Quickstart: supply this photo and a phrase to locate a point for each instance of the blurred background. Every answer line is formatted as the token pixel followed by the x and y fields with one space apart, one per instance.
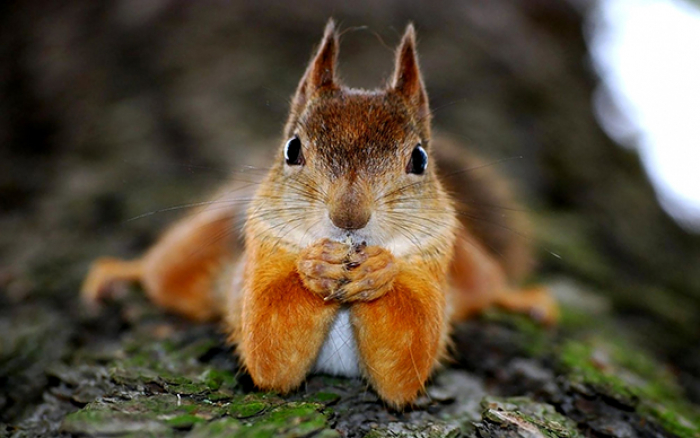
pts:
pixel 113 111
pixel 644 52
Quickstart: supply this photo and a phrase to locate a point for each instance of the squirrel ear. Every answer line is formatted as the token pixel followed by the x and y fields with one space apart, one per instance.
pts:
pixel 407 81
pixel 319 74
pixel 321 70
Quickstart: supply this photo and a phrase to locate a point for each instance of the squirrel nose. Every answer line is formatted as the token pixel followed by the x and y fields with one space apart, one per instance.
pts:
pixel 349 218
pixel 350 210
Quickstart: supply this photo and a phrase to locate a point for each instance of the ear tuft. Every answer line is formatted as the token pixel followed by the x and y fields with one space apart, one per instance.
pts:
pixel 320 74
pixel 407 80
pixel 321 71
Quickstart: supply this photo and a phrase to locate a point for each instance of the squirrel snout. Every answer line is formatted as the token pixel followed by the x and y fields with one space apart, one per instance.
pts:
pixel 349 210
pixel 348 218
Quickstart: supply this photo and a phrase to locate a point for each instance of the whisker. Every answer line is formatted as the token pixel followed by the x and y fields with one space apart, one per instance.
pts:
pixel 400 226
pixel 265 236
pixel 446 105
pixel 282 97
pixel 419 220
pixel 407 233
pixel 399 223
pixel 227 232
pixel 448 175
pixel 173 208
pixel 284 232
pixel 481 166
pixel 180 165
pixel 311 187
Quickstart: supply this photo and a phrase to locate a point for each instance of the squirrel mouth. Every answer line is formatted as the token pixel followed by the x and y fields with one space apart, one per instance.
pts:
pixel 356 244
pixel 354 239
pixel 366 236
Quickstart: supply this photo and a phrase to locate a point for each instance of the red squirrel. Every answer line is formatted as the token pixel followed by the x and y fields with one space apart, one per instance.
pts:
pixel 356 259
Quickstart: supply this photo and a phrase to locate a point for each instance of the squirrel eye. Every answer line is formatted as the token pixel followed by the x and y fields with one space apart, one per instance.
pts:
pixel 418 162
pixel 292 152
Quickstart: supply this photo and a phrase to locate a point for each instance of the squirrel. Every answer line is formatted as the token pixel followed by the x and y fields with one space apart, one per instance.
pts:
pixel 361 247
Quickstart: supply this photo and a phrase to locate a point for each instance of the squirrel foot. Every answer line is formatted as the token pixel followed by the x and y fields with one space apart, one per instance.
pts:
pixel 370 273
pixel 321 266
pixel 537 302
pixel 105 273
pixel 345 273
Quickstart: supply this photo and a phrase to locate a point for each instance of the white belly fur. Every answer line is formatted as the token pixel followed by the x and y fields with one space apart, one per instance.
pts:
pixel 338 355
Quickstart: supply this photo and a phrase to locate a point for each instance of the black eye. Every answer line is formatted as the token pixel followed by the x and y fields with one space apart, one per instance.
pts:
pixel 418 162
pixel 292 152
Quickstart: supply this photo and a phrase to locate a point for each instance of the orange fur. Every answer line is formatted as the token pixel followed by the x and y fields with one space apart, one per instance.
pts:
pixel 282 325
pixel 475 278
pixel 104 272
pixel 350 226
pixel 402 336
pixel 181 273
pixel 478 282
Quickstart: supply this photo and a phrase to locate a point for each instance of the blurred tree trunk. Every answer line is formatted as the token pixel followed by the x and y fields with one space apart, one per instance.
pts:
pixel 97 84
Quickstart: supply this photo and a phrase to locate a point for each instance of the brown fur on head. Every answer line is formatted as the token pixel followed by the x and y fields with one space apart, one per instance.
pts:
pixel 353 176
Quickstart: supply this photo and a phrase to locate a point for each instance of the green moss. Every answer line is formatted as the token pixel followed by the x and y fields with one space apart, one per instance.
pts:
pixel 633 378
pixel 131 376
pixel 154 404
pixel 533 338
pixel 174 380
pixel 218 379
pixel 573 319
pixel 217 397
pixel 428 429
pixel 185 421
pixel 528 416
pixel 162 413
pixel 325 398
pixel 675 418
pixel 194 350
pixel 177 371
pixel 105 422
pixel 289 420
pixel 293 412
pixel 189 389
pixel 222 427
pixel 251 405
pixel 583 369
pixel 247 410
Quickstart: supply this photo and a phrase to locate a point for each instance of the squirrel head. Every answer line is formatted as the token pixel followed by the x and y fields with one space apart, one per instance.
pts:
pixel 355 162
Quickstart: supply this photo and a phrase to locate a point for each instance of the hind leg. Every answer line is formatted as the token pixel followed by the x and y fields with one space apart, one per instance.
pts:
pixel 104 274
pixel 478 283
pixel 536 302
pixel 181 272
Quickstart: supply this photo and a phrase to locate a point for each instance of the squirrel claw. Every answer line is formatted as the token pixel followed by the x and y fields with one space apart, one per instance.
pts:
pixel 321 267
pixel 373 277
pixel 346 274
pixel 337 295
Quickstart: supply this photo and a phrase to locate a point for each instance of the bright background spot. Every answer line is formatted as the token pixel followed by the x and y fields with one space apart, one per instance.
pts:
pixel 648 53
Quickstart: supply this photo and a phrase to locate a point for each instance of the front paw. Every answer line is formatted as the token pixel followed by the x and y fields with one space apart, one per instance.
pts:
pixel 369 272
pixel 321 266
pixel 343 272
